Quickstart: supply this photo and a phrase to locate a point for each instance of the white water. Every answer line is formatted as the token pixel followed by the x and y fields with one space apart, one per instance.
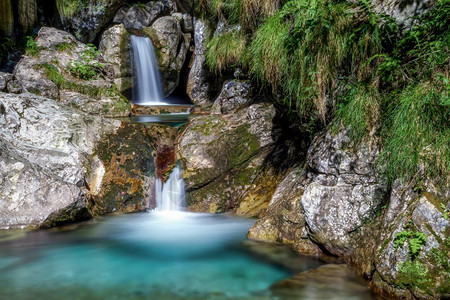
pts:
pixel 171 196
pixel 148 89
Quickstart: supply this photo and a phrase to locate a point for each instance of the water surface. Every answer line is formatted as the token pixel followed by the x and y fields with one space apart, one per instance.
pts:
pixel 149 256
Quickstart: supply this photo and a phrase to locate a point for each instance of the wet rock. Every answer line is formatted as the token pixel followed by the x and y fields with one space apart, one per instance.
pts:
pixel 199 85
pixel 171 47
pixel 140 16
pixel 223 155
pixel 55 164
pixel 235 94
pixel 115 49
pixel 85 21
pixel 284 220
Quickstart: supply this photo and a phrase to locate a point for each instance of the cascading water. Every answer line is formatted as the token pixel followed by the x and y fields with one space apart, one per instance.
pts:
pixel 148 90
pixel 172 196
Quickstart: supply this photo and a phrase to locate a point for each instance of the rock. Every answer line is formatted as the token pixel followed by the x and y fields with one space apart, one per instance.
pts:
pixel 115 49
pixel 235 94
pixel 187 24
pixel 171 47
pixel 4 79
pixel 284 220
pixel 85 21
pixel 199 86
pixel 342 192
pixel 33 79
pixel 14 86
pixel 402 12
pixel 58 164
pixel 140 16
pixel 120 15
pixel 428 273
pixel 223 156
pixel 48 75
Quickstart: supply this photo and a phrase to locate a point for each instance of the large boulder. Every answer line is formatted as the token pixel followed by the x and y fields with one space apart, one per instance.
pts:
pixel 342 190
pixel 234 95
pixel 223 157
pixel 85 19
pixel 61 165
pixel 48 74
pixel 115 49
pixel 171 47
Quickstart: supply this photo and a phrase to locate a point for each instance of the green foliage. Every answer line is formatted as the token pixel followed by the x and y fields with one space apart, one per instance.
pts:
pixel 86 68
pixel 314 41
pixel 444 211
pixel 359 110
pixel 31 48
pixel 417 132
pixel 69 8
pixel 413 274
pixel 54 74
pixel 414 239
pixel 226 51
pixel 64 46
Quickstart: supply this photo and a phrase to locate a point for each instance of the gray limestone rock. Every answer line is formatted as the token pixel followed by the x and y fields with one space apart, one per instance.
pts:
pixel 171 47
pixel 235 94
pixel 198 87
pixel 139 16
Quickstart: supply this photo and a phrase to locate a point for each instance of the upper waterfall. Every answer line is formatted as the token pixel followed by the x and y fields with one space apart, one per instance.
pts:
pixel 148 87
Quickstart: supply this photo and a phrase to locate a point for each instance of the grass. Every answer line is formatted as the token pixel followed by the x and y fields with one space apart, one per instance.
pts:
pixel 417 132
pixel 69 8
pixel 226 51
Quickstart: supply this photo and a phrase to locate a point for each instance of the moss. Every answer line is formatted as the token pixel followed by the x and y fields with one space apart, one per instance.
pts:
pixel 127 157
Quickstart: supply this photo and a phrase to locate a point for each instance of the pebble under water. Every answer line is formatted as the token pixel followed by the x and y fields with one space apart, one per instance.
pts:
pixel 159 256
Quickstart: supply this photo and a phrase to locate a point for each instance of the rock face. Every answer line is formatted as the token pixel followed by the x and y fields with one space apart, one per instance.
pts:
pixel 140 16
pixel 223 156
pixel 55 162
pixel 235 94
pixel 115 49
pixel 48 74
pixel 86 20
pixel 171 47
pixel 199 86
pixel 340 203
pixel 6 18
pixel 402 11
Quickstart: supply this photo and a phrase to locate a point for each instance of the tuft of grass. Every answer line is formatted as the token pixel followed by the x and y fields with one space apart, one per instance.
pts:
pixel 226 51
pixel 65 46
pixel 359 110
pixel 31 47
pixel 69 8
pixel 417 135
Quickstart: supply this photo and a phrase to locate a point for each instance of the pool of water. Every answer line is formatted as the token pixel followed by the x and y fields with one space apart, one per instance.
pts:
pixel 151 256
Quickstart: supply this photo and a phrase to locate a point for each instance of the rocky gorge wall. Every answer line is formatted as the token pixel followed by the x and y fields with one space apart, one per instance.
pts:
pixel 62 159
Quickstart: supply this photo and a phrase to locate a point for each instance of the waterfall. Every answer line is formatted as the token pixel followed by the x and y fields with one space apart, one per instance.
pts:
pixel 171 197
pixel 148 90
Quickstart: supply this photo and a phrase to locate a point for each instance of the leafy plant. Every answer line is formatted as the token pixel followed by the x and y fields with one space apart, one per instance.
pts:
pixel 414 239
pixel 86 68
pixel 413 274
pixel 31 47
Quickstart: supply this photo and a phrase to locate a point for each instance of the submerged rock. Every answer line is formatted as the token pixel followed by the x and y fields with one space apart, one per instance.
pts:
pixel 56 162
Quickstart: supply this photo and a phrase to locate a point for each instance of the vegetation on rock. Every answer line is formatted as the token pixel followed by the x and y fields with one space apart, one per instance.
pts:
pixel 342 63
